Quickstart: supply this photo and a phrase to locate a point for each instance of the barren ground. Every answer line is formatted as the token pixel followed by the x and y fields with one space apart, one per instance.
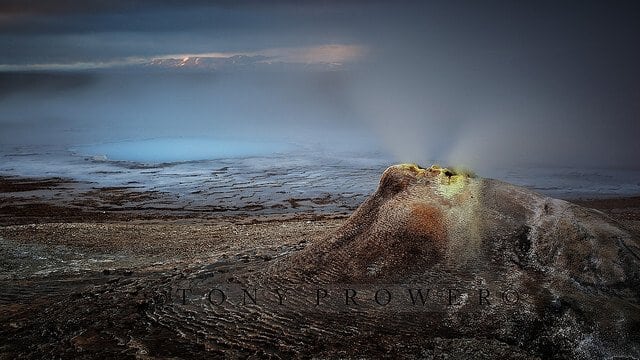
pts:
pixel 55 258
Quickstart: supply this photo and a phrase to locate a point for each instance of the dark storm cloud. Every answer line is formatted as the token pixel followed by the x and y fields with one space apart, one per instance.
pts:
pixel 83 6
pixel 39 32
pixel 121 18
pixel 63 7
pixel 72 16
pixel 43 83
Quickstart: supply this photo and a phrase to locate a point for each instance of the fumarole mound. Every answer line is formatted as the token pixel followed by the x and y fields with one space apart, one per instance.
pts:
pixel 506 267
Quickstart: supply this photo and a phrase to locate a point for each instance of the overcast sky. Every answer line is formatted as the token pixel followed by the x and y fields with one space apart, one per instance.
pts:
pixel 475 82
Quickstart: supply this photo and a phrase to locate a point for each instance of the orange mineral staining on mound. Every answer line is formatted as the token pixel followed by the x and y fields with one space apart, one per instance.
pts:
pixel 427 221
pixel 427 225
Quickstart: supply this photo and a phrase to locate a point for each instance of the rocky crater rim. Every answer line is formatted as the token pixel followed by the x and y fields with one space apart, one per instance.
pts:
pixel 454 173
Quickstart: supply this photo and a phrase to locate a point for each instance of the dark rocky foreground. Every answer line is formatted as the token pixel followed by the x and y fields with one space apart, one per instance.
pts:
pixel 430 266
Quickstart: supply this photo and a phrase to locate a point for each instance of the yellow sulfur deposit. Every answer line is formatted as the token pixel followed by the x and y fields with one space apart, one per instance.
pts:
pixel 450 181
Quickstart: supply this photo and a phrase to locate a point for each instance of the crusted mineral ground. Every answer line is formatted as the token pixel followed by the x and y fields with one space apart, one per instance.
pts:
pixel 503 272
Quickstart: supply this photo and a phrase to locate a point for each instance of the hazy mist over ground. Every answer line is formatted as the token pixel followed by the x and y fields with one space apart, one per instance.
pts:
pixel 109 107
pixel 485 85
